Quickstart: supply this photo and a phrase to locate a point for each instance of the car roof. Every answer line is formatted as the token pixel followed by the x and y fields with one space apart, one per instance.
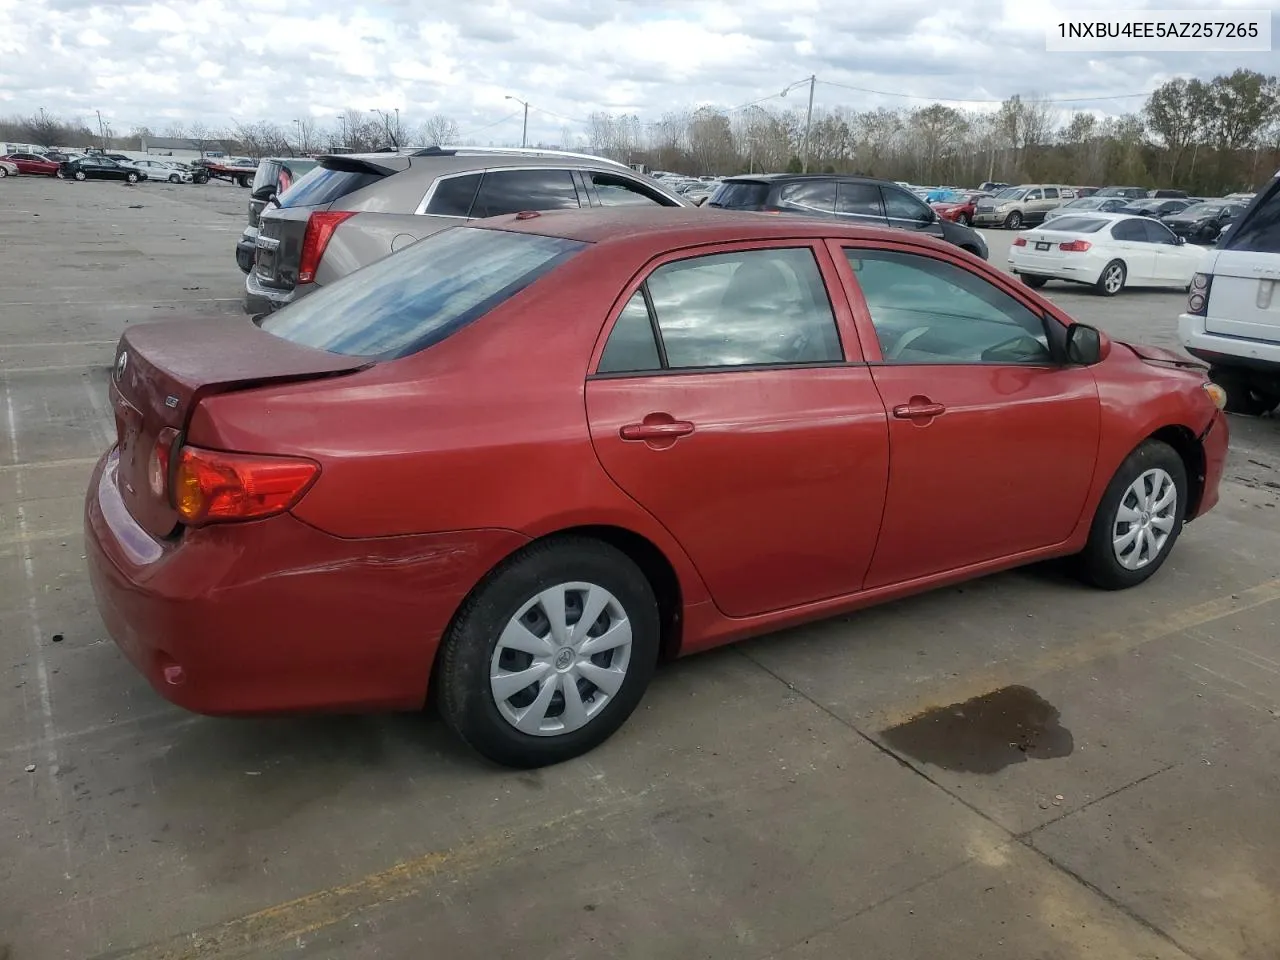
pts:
pixel 688 226
pixel 788 177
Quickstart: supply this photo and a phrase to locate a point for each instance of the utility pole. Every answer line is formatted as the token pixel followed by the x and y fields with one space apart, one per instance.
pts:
pixel 102 132
pixel 396 138
pixel 524 133
pixel 343 118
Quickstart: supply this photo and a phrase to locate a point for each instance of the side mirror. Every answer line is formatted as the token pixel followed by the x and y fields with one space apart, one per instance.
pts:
pixel 1086 345
pixel 1180 240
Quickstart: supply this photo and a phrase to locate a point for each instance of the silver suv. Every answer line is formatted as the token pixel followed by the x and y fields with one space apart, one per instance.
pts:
pixel 353 209
pixel 1021 206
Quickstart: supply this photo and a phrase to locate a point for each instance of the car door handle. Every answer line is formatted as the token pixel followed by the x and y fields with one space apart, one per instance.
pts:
pixel 656 430
pixel 918 411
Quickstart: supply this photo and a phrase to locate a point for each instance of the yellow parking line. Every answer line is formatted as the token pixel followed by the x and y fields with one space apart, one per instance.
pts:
pixel 287 921
pixel 1084 650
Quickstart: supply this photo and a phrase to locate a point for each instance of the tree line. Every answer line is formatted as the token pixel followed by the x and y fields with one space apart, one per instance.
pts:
pixel 1205 136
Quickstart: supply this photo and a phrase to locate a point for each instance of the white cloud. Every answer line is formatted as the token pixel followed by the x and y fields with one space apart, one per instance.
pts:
pixel 161 60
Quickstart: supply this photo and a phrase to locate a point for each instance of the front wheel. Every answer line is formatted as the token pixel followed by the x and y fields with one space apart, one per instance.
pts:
pixel 131 177
pixel 551 654
pixel 4 172
pixel 1111 280
pixel 174 178
pixel 966 219
pixel 81 175
pixel 1138 519
pixel 1013 221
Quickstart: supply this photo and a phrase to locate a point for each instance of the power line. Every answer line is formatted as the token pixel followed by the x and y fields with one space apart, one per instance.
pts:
pixel 487 126
pixel 558 116
pixel 912 96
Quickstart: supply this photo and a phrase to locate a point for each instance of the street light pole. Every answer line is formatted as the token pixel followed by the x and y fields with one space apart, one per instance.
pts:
pixel 343 118
pixel 524 132
pixel 808 118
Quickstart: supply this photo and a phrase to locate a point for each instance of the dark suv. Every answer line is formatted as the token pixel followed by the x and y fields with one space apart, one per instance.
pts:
pixel 353 209
pixel 275 175
pixel 880 203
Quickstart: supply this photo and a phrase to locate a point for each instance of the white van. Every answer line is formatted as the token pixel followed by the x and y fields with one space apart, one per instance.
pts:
pixel 1233 307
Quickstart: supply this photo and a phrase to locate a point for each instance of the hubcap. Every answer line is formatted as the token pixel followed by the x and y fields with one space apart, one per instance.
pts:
pixel 1144 519
pixel 1114 279
pixel 561 659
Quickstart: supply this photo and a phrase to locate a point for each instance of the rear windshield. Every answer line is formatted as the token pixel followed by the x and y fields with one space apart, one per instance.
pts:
pixel 740 196
pixel 323 185
pixel 419 296
pixel 1074 224
pixel 1258 229
pixel 268 172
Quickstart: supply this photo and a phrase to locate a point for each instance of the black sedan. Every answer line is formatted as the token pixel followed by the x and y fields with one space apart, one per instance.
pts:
pixel 1204 222
pixel 1155 207
pixel 100 168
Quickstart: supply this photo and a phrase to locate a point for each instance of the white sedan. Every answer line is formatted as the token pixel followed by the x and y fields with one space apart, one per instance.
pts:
pixel 1108 251
pixel 159 170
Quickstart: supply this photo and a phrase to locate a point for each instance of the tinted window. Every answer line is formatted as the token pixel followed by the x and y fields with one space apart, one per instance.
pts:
pixel 740 196
pixel 453 196
pixel 899 205
pixel 1050 193
pixel 1157 232
pixel 325 185
pixel 620 192
pixel 859 199
pixel 268 172
pixel 746 307
pixel 812 197
pixel 1129 230
pixel 510 191
pixel 1259 231
pixel 631 345
pixel 1074 224
pixel 419 296
pixel 928 311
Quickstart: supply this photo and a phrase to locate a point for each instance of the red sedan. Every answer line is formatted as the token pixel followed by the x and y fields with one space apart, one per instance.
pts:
pixel 524 458
pixel 33 163
pixel 960 210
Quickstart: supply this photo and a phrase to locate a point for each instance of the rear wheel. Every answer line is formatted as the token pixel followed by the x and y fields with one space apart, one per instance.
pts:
pixel 1033 282
pixel 4 172
pixel 131 177
pixel 1138 519
pixel 1111 280
pixel 966 219
pixel 1242 396
pixel 551 654
pixel 1013 221
pixel 174 178
pixel 243 181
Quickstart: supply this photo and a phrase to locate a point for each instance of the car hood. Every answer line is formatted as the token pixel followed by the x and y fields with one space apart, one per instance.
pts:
pixel 1155 354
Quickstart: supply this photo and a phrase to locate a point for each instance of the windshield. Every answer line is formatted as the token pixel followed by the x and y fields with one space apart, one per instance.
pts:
pixel 1075 224
pixel 412 299
pixel 1011 193
pixel 1084 203
pixel 740 196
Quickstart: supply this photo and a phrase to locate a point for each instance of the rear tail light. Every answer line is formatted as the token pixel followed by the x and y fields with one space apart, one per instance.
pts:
pixel 1198 295
pixel 210 486
pixel 320 227
pixel 1019 241
pixel 1075 246
pixel 159 463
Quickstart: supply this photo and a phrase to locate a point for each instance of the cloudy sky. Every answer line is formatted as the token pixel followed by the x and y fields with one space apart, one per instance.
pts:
pixel 157 62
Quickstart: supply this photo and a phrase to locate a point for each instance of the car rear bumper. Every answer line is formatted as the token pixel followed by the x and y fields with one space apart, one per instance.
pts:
pixel 276 616
pixel 1220 350
pixel 245 247
pixel 259 298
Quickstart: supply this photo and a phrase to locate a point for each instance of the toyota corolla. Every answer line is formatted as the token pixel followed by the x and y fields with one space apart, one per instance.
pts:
pixel 524 459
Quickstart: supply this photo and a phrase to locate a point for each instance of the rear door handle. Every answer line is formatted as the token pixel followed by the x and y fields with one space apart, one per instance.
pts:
pixel 918 411
pixel 660 430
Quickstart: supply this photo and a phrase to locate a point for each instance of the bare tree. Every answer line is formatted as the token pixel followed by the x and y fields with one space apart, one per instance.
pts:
pixel 438 131
pixel 200 136
pixel 177 130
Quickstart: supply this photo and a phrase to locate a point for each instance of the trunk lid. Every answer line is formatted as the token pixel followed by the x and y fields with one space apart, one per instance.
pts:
pixel 279 248
pixel 1244 297
pixel 163 370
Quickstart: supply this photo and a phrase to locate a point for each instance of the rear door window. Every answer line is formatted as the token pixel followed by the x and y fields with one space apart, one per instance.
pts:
pixel 859 200
pixel 1259 230
pixel 510 191
pixel 1157 232
pixel 1130 230
pixel 453 196
pixel 740 195
pixel 402 304
pixel 616 191
pixel 813 197
pixel 1051 193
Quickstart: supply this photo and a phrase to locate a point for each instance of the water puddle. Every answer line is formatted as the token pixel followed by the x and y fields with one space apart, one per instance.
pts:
pixel 984 734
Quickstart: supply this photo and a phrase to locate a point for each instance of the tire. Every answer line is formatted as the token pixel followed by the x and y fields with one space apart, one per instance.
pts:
pixel 3 173
pixel 175 178
pixel 966 219
pixel 243 181
pixel 1111 280
pixel 200 179
pixel 81 175
pixel 1034 282
pixel 1013 221
pixel 509 603
pixel 1153 466
pixel 1242 396
pixel 131 177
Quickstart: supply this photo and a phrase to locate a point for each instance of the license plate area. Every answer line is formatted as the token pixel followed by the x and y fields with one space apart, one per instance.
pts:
pixel 1041 245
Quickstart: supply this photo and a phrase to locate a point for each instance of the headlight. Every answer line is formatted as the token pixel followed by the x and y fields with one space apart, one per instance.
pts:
pixel 1216 394
pixel 1002 206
